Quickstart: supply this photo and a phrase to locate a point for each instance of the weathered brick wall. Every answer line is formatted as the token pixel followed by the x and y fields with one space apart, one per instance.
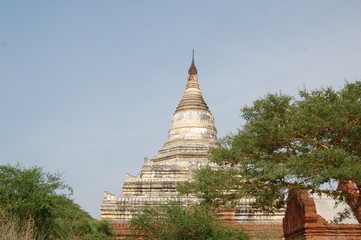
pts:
pixel 302 222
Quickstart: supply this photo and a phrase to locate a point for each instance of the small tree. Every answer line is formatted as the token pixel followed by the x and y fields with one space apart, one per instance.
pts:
pixel 176 222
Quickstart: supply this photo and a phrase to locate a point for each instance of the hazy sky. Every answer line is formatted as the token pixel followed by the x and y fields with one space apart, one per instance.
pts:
pixel 88 88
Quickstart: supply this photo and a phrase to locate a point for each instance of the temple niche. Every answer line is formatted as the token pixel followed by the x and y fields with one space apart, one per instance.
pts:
pixel 191 135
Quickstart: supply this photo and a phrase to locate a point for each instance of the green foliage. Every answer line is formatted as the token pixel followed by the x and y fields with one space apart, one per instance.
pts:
pixel 72 222
pixel 216 188
pixel 176 222
pixel 31 193
pixel 289 144
pixel 43 198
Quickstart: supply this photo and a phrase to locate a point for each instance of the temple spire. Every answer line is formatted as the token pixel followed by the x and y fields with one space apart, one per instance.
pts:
pixel 192 122
pixel 192 77
pixel 192 70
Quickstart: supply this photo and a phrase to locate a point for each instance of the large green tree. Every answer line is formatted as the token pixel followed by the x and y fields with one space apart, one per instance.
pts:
pixel 32 197
pixel 311 142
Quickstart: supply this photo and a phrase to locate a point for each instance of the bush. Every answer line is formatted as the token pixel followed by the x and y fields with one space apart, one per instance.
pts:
pixel 31 196
pixel 176 222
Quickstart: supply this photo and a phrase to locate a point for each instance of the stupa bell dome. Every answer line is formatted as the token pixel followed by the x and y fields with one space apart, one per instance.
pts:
pixel 192 122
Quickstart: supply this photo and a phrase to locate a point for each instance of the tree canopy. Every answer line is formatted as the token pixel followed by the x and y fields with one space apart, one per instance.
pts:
pixel 312 142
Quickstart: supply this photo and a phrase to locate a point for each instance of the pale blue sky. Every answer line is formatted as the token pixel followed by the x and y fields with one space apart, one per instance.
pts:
pixel 89 87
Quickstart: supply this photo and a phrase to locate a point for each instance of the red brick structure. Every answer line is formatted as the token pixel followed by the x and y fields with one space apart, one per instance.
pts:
pixel 303 222
pixel 121 230
pixel 257 231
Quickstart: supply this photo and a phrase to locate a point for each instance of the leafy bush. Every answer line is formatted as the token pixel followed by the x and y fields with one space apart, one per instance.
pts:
pixel 44 198
pixel 176 222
